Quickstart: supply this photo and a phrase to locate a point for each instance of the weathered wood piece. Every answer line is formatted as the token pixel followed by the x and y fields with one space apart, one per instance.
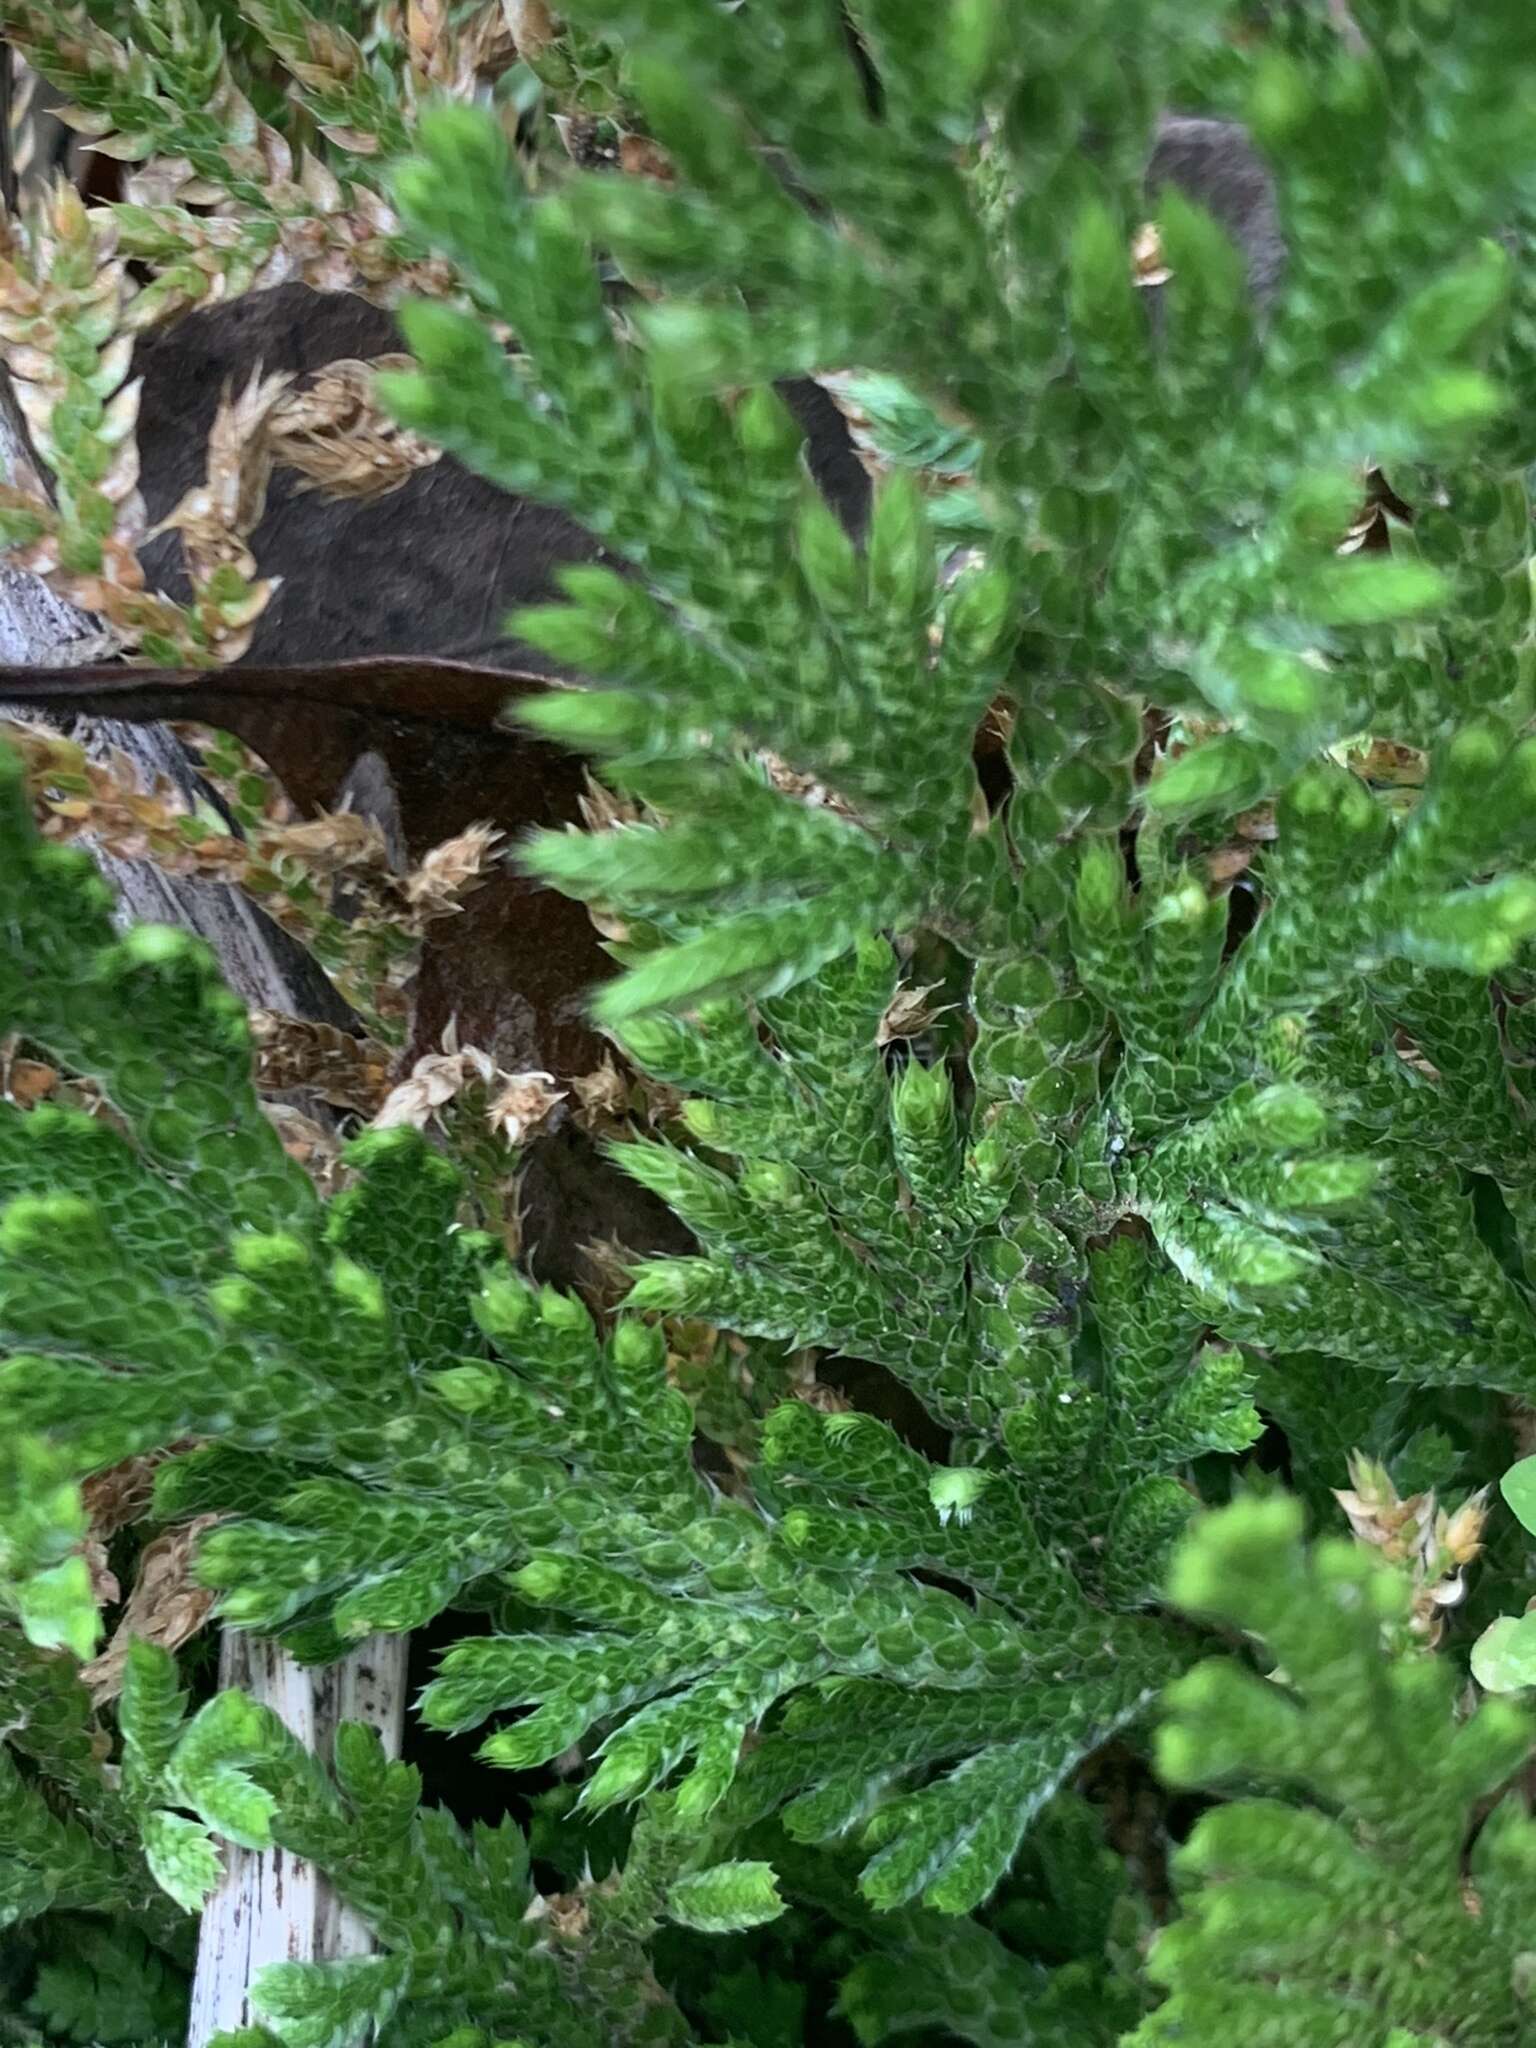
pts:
pixel 272 1907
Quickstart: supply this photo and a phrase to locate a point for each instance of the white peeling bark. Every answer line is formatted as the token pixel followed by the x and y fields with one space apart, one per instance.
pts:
pixel 273 1907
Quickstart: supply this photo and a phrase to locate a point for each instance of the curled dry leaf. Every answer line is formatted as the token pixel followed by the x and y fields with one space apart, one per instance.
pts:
pixel 290 868
pixel 112 1499
pixel 105 1590
pixel 608 1275
pixel 569 1915
pixel 66 336
pixel 997 726
pixel 1257 826
pixel 1389 763
pixel 793 783
pixel 297 870
pixel 426 31
pixel 436 1080
pixel 26 1082
pixel 1413 1055
pixel 523 1106
pixel 1225 863
pixel 448 873
pixel 602 1097
pixel 805 1386
pixel 452 56
pixel 518 1105
pixel 1249 831
pixel 130 816
pixel 331 843
pixel 488 47
pixel 166 1605
pixel 611 1100
pixel 1370 531
pixel 1364 531
pixel 282 216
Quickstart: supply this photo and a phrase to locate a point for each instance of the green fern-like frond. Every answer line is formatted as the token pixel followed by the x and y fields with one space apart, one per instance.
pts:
pixel 1338 1907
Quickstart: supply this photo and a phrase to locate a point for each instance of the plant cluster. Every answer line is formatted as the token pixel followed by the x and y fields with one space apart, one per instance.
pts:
pixel 1131 1136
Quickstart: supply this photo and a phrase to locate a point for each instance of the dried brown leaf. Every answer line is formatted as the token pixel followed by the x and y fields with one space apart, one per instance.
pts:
pixel 451 871
pixel 533 28
pixel 793 782
pixel 1413 1055
pixel 122 1494
pixel 27 1082
pixel 487 48
pixel 1225 863
pixel 1391 763
pixel 639 157
pixel 1438 1548
pixel 805 1386
pixel 166 1606
pixel 105 1590
pixel 608 1275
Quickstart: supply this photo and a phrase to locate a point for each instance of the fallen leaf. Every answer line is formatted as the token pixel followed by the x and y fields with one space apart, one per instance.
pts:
pixel 166 1606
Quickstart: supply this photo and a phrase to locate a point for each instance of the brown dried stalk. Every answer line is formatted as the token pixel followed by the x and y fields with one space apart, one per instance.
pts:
pixel 64 295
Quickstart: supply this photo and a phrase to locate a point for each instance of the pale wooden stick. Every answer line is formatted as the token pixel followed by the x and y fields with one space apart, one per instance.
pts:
pixel 273 1907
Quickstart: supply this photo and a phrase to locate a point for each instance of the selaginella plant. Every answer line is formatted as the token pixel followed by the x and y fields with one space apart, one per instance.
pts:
pixel 1161 1089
